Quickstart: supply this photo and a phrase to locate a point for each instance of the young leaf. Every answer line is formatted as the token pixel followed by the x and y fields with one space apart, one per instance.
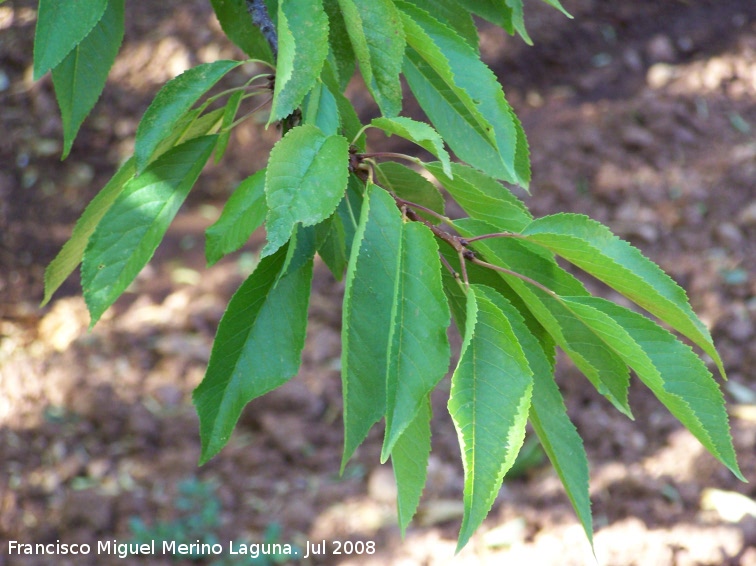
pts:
pixel 70 255
pixel 367 315
pixel 417 132
pixel 257 347
pixel 410 461
pixel 375 30
pixel 668 367
pixel 81 76
pixel 61 26
pixel 548 415
pixel 243 214
pixel 302 50
pixel 411 186
pixel 172 101
pixel 238 27
pixel 419 348
pixel 131 229
pixel 592 247
pixel 306 178
pixel 489 402
pixel 483 197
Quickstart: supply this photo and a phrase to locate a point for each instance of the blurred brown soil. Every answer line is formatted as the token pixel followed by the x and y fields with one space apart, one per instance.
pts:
pixel 639 114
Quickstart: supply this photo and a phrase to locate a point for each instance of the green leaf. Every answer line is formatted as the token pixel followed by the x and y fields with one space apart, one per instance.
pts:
pixel 558 5
pixel 419 348
pixel 518 20
pixel 131 229
pixel 410 461
pixel 478 81
pixel 604 369
pixel 302 50
pixel 302 247
pixel 350 122
pixel 244 212
pixel 592 247
pixel 453 15
pixel 369 291
pixel 548 415
pixel 411 186
pixel 489 402
pixel 257 347
pixel 331 244
pixel 341 54
pixel 375 30
pixel 320 109
pixel 71 253
pixel 678 378
pixel 229 113
pixel 495 11
pixel 61 26
pixel 483 197
pixel 306 179
pixel 417 132
pixel 171 103
pixel 80 77
pixel 238 27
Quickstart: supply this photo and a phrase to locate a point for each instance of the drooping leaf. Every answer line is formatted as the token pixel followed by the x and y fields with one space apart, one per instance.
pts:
pixel 131 229
pixel 409 458
pixel 489 403
pixel 375 30
pixel 480 84
pixel 257 347
pixel 483 197
pixel 238 27
pixel 61 26
pixel 172 101
pixel 410 186
pixel 417 132
pixel 302 50
pixel 306 178
pixel 369 291
pixel 70 255
pixel 603 368
pixel 548 415
pixel 678 377
pixel 244 212
pixel 80 77
pixel 592 247
pixel 419 348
